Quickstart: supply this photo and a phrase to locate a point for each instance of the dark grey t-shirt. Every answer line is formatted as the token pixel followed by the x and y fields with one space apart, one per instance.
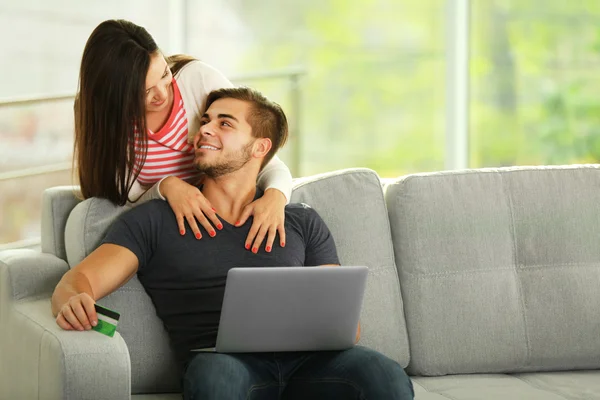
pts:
pixel 185 277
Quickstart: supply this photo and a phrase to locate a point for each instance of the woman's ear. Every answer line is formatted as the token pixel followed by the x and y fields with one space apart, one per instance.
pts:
pixel 262 147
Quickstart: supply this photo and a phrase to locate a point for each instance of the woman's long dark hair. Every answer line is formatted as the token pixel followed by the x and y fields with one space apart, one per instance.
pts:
pixel 110 108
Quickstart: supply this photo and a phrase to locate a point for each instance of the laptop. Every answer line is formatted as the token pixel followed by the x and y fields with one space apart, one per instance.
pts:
pixel 276 309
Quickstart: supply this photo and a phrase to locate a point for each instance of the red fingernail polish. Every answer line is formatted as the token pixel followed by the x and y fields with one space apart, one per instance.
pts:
pixel 247 247
pixel 198 236
pixel 214 210
pixel 268 249
pixel 237 223
pixel 282 244
pixel 182 232
pixel 212 233
pixel 255 250
pixel 220 226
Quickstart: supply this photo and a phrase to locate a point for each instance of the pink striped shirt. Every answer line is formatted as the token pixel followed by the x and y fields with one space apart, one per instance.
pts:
pixel 169 152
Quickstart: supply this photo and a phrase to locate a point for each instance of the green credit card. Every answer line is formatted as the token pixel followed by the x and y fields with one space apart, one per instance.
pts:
pixel 107 320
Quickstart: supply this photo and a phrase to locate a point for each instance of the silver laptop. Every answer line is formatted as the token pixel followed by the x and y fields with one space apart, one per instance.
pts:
pixel 291 309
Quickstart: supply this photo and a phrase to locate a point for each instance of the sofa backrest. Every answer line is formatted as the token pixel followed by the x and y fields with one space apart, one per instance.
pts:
pixel 351 203
pixel 57 204
pixel 499 268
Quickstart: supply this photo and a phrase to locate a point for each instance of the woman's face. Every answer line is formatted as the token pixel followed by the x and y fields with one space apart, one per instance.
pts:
pixel 158 84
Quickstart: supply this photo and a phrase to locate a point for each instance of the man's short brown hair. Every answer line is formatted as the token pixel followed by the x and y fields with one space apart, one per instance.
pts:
pixel 266 118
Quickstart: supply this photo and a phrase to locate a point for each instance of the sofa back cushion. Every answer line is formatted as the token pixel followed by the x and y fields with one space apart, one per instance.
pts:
pixel 352 205
pixel 499 268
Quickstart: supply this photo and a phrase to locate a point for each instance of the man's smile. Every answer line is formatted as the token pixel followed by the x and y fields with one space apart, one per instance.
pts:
pixel 208 147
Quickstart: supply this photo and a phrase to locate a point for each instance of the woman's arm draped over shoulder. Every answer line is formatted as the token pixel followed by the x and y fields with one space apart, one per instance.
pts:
pixel 213 79
pixel 196 80
pixel 140 194
pixel 276 175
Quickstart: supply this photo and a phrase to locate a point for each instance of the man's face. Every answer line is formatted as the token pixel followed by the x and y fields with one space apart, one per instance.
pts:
pixel 224 143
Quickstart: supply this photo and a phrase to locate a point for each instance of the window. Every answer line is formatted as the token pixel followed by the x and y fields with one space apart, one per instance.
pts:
pixel 363 82
pixel 37 138
pixel 372 92
pixel 534 85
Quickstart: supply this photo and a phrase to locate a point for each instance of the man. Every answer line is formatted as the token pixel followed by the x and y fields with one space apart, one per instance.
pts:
pixel 240 131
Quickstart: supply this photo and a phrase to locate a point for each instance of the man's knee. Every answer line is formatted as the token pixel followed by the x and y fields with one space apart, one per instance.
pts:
pixel 378 375
pixel 216 376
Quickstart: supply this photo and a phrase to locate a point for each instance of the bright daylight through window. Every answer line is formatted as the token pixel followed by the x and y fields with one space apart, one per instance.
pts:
pixel 364 82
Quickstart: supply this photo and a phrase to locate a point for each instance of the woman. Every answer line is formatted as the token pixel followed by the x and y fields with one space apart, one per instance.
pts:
pixel 135 114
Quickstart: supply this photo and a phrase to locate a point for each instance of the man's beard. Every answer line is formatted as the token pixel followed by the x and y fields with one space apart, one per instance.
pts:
pixel 234 163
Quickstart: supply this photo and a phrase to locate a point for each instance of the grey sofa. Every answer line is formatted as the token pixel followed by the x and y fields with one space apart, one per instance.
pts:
pixel 484 284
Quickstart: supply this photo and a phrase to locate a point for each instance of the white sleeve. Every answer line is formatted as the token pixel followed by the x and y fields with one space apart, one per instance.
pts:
pixel 138 195
pixel 213 79
pixel 196 80
pixel 276 175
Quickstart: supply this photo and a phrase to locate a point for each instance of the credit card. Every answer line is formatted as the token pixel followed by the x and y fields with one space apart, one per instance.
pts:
pixel 107 320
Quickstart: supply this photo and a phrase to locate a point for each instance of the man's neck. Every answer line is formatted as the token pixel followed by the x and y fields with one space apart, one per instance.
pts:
pixel 229 194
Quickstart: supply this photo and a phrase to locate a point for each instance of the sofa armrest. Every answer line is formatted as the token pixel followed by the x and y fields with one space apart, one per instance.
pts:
pixel 40 360
pixel 28 273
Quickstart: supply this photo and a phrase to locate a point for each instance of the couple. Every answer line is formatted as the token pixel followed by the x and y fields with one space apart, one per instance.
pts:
pixel 239 134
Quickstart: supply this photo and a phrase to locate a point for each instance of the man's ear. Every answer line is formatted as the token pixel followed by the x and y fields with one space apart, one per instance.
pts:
pixel 262 147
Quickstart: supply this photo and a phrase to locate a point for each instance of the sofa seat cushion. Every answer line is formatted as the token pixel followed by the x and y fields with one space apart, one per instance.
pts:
pixel 571 385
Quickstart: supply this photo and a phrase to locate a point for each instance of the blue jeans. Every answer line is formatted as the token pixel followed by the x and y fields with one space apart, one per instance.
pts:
pixel 357 373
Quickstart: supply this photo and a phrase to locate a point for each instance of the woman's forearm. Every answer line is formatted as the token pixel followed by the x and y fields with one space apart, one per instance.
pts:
pixel 139 194
pixel 276 175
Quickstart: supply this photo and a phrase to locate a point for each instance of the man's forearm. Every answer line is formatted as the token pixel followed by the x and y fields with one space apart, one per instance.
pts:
pixel 71 284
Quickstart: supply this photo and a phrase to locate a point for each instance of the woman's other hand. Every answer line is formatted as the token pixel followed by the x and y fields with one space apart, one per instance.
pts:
pixel 189 204
pixel 269 216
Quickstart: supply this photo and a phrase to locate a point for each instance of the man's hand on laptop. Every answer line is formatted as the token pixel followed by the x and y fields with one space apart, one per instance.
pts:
pixel 78 313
